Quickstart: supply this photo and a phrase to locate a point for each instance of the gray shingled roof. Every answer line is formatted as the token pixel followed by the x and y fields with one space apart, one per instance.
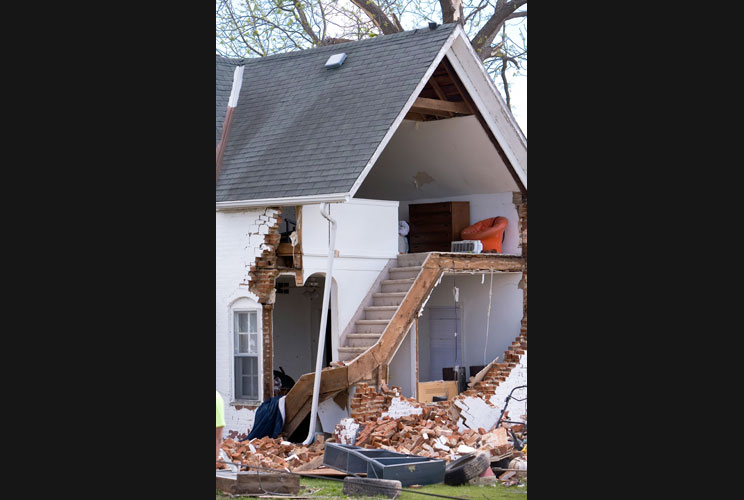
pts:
pixel 225 69
pixel 300 129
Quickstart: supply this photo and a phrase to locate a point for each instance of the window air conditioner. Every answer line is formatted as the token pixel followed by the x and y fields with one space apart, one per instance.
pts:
pixel 467 246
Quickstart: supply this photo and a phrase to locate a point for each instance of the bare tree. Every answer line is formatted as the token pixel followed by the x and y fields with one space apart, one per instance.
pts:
pixel 497 29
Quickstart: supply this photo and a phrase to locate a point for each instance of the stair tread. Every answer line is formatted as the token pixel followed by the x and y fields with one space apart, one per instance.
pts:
pixel 373 321
pixel 381 308
pixel 353 349
pixel 362 334
pixel 405 269
pixel 398 282
pixel 389 294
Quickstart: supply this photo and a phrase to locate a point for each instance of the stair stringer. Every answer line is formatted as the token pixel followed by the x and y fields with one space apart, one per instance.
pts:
pixel 339 378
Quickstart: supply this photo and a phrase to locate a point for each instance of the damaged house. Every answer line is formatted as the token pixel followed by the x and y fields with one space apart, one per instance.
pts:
pixel 330 149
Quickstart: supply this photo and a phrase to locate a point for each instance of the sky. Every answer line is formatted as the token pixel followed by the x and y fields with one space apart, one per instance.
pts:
pixel 519 102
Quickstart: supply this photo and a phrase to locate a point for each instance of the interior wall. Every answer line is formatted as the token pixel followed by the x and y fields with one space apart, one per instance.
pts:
pixel 402 367
pixel 482 206
pixel 296 324
pixel 505 322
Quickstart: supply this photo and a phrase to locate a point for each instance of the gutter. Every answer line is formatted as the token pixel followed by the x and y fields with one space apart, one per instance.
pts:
pixel 295 200
pixel 323 322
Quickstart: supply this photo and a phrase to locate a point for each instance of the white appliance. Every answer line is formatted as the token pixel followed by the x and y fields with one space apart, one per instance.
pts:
pixel 467 246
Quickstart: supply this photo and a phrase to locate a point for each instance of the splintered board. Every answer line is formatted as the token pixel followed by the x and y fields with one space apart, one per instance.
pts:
pixel 252 483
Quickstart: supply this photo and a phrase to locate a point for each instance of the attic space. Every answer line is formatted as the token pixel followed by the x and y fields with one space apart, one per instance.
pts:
pixel 444 157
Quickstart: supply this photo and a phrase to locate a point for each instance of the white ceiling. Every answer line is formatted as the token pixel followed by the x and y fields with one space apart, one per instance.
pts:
pixel 437 159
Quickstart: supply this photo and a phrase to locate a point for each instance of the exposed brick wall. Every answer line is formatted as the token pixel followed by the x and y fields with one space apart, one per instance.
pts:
pixel 263 283
pixel 520 201
pixel 264 271
pixel 499 372
pixel 268 351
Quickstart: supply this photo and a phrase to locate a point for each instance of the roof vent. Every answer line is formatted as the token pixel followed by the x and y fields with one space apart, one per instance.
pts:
pixel 433 26
pixel 335 61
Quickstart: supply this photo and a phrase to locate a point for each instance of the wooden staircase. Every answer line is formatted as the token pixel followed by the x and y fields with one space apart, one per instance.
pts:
pixel 375 338
pixel 385 303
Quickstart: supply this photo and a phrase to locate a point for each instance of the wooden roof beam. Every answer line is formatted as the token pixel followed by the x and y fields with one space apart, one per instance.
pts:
pixel 439 108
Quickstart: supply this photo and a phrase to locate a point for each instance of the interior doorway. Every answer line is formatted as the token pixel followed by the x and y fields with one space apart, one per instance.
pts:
pixel 297 314
pixel 445 348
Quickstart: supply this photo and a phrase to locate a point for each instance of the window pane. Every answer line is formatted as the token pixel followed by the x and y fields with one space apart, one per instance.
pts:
pixel 254 343
pixel 242 322
pixel 248 366
pixel 254 327
pixel 246 378
pixel 243 343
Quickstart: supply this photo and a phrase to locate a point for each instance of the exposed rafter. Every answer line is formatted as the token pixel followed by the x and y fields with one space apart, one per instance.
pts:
pixel 439 108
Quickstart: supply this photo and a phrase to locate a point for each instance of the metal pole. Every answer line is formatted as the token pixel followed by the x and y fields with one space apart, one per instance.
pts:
pixel 323 323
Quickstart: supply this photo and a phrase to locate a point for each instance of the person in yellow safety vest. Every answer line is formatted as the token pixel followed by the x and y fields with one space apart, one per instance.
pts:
pixel 220 422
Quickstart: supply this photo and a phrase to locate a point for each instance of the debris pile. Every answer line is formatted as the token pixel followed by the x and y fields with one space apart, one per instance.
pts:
pixel 274 453
pixel 390 421
pixel 447 430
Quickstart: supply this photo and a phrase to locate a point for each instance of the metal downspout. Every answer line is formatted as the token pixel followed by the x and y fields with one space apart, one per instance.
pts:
pixel 323 323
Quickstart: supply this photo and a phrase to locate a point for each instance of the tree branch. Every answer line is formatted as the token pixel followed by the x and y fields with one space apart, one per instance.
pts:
pixel 302 19
pixel 480 7
pixel 378 16
pixel 452 11
pixel 486 35
pixel 517 14
pixel 240 32
pixel 506 84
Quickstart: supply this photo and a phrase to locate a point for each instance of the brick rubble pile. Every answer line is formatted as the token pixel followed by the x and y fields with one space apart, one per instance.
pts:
pixel 272 453
pixel 388 420
pixel 425 429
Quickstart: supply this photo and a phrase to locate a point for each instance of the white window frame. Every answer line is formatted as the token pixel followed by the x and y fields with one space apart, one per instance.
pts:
pixel 234 312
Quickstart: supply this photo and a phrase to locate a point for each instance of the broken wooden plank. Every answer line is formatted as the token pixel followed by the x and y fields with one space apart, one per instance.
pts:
pixel 325 471
pixel 311 465
pixel 332 379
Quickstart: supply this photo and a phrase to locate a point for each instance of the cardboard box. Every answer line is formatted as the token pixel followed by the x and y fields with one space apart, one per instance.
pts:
pixel 427 390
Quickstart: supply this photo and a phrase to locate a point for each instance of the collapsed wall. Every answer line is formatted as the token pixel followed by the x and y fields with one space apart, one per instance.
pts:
pixel 443 429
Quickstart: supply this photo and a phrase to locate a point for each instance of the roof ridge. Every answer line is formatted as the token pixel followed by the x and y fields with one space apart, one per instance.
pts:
pixel 227 60
pixel 364 41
